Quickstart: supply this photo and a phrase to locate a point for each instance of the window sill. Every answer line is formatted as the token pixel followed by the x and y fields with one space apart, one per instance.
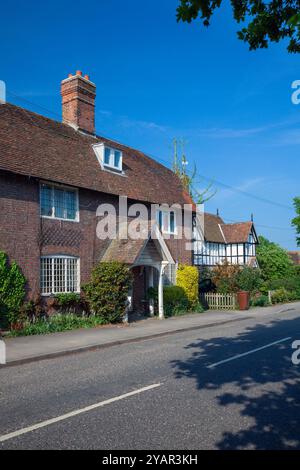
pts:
pixel 115 171
pixel 168 233
pixel 59 218
pixel 58 293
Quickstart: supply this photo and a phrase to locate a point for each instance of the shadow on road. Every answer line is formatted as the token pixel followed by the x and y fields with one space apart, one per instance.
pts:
pixel 264 386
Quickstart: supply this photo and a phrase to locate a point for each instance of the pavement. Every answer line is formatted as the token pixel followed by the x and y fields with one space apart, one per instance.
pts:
pixel 228 386
pixel 25 349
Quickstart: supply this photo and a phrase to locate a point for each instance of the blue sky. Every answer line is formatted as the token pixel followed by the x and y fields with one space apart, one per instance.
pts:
pixel 157 80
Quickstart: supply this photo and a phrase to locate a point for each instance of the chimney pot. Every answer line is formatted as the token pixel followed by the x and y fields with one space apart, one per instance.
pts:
pixel 70 75
pixel 78 72
pixel 86 77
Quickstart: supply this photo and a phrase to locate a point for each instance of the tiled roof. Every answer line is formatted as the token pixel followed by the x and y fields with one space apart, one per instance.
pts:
pixel 34 145
pixel 212 232
pixel 216 231
pixel 126 250
pixel 237 233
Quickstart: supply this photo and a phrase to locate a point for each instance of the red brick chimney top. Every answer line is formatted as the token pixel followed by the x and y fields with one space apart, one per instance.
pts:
pixel 78 102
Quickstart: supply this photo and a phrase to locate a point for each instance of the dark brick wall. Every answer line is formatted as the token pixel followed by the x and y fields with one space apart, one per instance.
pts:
pixel 20 225
pixel 25 236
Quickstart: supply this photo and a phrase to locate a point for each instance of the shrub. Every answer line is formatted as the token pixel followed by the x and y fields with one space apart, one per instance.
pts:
pixel 12 291
pixel 290 284
pixel 175 301
pixel 70 303
pixel 260 301
pixel 57 323
pixel 280 296
pixel 108 289
pixel 67 300
pixel 224 276
pixel 187 277
pixel 248 279
pixel 173 294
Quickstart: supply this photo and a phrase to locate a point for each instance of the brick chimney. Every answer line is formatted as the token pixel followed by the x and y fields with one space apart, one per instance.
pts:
pixel 78 102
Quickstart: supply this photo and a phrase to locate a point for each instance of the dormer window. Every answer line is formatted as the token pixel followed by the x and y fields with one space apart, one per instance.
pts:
pixel 109 157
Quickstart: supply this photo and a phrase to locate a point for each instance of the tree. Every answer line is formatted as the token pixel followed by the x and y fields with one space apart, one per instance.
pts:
pixel 273 260
pixel 296 220
pixel 266 21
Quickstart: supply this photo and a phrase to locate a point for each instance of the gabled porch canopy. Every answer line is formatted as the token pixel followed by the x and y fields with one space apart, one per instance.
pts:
pixel 150 250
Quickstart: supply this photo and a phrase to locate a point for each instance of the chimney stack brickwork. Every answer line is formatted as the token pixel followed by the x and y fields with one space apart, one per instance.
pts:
pixel 78 102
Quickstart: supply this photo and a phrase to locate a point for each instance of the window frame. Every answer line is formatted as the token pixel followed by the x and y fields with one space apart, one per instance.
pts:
pixel 100 152
pixel 64 257
pixel 160 215
pixel 63 188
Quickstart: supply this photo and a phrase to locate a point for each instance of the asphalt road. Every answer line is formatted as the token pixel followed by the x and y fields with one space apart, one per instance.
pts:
pixel 227 387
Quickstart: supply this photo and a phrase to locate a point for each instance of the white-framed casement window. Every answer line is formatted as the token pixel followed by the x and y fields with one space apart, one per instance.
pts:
pixel 59 202
pixel 167 222
pixel 110 158
pixel 59 274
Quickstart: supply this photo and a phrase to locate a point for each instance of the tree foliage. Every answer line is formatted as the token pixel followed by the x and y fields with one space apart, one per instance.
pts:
pixel 273 260
pixel 296 220
pixel 265 21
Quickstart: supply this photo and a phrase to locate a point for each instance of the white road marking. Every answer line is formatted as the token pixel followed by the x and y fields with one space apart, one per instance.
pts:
pixel 248 352
pixel 42 424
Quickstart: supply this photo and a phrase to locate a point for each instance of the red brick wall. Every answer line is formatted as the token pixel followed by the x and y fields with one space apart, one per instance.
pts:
pixel 20 225
pixel 25 236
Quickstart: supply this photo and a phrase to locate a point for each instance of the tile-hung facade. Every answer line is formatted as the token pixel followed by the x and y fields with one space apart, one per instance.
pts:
pixel 235 243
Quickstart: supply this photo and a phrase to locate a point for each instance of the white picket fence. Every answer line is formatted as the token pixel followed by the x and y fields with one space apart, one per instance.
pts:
pixel 218 301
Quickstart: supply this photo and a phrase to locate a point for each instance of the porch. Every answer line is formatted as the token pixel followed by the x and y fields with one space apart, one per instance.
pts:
pixel 152 266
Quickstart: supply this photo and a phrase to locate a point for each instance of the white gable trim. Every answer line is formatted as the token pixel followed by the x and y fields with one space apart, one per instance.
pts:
pixel 158 238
